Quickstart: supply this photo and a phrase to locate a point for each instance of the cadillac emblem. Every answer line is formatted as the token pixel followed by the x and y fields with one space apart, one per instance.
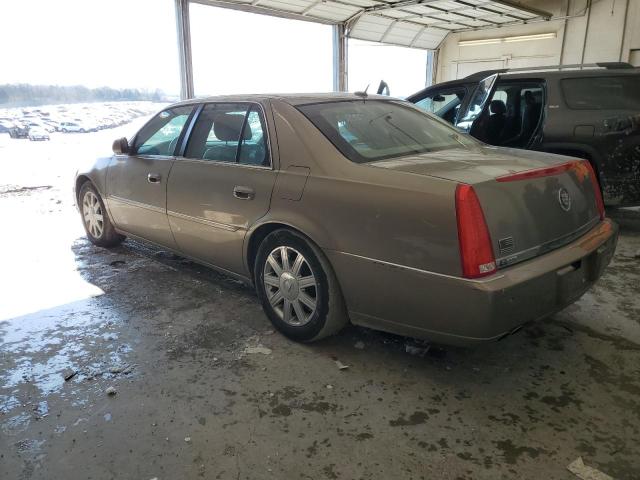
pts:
pixel 564 199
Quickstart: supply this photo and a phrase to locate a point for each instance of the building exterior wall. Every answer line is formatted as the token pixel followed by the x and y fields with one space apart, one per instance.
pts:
pixel 596 36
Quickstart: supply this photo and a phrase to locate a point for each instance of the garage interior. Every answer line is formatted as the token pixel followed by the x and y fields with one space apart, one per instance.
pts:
pixel 204 387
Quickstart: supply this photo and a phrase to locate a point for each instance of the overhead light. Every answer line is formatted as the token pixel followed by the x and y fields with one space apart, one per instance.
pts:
pixel 519 38
pixel 524 38
pixel 484 41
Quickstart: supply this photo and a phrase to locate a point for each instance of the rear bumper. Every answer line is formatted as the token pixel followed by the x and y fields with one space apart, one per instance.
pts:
pixel 464 312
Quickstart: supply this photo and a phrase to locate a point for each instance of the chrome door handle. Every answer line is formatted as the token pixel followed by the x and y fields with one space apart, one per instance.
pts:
pixel 153 178
pixel 243 193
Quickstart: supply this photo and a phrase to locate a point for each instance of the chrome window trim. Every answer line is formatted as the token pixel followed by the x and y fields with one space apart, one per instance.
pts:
pixel 221 163
pixel 199 110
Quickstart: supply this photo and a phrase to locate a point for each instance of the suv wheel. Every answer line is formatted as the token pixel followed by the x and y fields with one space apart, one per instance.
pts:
pixel 298 288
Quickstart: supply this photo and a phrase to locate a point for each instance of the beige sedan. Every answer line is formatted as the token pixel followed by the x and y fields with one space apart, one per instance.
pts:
pixel 343 208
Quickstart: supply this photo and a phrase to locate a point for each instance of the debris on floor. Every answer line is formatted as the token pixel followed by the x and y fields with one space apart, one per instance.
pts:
pixel 418 351
pixel 124 369
pixel 258 349
pixel 580 470
pixel 111 391
pixel 187 439
pixel 340 365
pixel 68 374
pixel 359 345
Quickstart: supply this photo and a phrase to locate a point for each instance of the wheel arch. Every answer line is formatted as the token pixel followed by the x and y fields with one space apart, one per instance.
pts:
pixel 80 180
pixel 258 233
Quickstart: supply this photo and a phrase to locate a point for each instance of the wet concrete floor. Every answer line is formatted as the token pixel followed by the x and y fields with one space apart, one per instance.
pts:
pixel 193 400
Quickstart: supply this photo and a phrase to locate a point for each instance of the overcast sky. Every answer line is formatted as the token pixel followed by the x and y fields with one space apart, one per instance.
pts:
pixel 132 43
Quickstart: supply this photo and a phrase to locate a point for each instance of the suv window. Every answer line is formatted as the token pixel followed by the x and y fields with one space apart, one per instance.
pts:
pixel 477 102
pixel 513 114
pixel 160 135
pixel 217 135
pixel 444 103
pixel 602 93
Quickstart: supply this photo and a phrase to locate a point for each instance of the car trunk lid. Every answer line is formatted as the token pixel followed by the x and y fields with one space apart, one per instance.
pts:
pixel 532 202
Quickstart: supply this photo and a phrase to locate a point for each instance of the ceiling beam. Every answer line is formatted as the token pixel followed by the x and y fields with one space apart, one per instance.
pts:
pixel 525 8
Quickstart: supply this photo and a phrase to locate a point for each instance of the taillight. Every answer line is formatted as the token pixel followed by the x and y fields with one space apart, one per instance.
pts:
pixel 596 189
pixel 476 251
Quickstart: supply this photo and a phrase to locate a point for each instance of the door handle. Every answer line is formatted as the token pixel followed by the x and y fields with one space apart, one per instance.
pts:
pixel 243 193
pixel 153 178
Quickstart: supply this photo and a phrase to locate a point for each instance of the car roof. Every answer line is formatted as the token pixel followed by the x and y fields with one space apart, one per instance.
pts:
pixel 531 75
pixel 291 98
pixel 554 73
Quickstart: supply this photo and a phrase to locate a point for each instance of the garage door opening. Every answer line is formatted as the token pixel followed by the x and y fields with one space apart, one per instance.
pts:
pixel 403 69
pixel 238 52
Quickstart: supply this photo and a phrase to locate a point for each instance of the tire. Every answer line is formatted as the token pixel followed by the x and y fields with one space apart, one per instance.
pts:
pixel 95 218
pixel 305 324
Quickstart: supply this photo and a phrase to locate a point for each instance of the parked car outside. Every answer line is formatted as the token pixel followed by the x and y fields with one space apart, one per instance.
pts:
pixel 591 113
pixel 19 131
pixel 67 127
pixel 36 134
pixel 342 207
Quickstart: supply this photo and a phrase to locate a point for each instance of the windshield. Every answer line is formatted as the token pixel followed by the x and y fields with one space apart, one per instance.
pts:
pixel 371 130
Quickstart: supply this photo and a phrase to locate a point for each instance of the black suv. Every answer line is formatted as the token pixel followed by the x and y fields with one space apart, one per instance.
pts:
pixel 587 111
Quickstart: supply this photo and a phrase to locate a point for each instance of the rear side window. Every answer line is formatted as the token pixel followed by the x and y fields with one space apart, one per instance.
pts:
pixel 602 93
pixel 229 132
pixel 370 130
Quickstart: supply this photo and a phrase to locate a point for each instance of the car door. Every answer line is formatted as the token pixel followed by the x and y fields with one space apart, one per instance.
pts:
pixel 222 183
pixel 137 181
pixel 444 102
pixel 474 114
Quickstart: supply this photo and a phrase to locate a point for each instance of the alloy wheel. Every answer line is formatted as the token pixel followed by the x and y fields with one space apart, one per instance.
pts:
pixel 290 285
pixel 92 214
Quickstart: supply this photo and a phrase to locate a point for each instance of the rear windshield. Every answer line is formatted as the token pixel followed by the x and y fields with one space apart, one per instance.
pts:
pixel 602 93
pixel 371 130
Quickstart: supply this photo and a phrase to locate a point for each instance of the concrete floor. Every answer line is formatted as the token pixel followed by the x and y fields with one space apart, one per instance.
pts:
pixel 195 401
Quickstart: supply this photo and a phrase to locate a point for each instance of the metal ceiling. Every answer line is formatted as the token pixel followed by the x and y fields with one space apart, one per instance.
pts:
pixel 409 23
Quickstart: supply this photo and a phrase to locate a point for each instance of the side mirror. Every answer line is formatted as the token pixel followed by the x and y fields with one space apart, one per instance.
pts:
pixel 438 98
pixel 121 146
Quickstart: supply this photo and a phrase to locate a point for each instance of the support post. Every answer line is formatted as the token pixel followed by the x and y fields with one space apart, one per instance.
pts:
pixel 432 67
pixel 184 49
pixel 340 77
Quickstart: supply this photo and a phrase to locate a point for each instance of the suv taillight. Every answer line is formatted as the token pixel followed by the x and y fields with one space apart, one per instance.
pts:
pixel 596 189
pixel 476 251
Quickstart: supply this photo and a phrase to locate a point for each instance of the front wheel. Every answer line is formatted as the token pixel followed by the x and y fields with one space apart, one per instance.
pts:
pixel 95 219
pixel 298 288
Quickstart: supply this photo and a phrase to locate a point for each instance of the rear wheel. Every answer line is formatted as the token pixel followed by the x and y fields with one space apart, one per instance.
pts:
pixel 298 288
pixel 95 219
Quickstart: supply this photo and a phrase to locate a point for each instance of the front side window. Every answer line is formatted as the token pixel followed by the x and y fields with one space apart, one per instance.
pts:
pixel 229 132
pixel 160 136
pixel 371 130
pixel 602 93
pixel 444 104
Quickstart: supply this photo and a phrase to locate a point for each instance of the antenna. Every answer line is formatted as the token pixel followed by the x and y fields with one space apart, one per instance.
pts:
pixel 364 94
